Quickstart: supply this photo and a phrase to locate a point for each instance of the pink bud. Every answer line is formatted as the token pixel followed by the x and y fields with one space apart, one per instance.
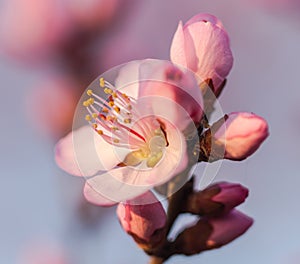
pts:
pixel 216 199
pixel 145 222
pixel 202 45
pixel 241 135
pixel 230 195
pixel 228 228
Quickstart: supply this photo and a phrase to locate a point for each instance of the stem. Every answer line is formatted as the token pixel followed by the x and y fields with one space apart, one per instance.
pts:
pixel 156 260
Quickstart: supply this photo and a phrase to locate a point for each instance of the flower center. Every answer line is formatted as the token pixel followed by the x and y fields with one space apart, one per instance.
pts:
pixel 119 122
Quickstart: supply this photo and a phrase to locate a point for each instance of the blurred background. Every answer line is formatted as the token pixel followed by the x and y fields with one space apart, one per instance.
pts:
pixel 50 50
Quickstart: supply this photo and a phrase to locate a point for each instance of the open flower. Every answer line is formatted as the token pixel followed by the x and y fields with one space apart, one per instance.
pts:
pixel 202 45
pixel 136 135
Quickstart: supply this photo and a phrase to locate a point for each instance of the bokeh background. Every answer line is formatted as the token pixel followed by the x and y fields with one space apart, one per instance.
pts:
pixel 43 214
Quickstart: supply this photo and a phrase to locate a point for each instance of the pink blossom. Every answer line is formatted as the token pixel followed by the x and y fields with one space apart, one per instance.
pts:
pixel 145 222
pixel 51 105
pixel 241 135
pixel 135 140
pixel 31 29
pixel 202 45
pixel 228 228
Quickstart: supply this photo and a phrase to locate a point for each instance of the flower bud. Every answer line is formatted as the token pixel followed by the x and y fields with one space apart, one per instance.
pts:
pixel 217 199
pixel 144 222
pixel 202 45
pixel 227 228
pixel 240 135
pixel 210 233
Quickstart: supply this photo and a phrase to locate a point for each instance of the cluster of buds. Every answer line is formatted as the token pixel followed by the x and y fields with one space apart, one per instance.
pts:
pixel 148 129
pixel 219 222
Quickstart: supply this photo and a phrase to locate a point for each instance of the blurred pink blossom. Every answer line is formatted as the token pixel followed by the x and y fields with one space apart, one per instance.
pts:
pixel 143 221
pixel 31 29
pixel 43 253
pixel 89 14
pixel 241 134
pixel 141 151
pixel 202 45
pixel 51 105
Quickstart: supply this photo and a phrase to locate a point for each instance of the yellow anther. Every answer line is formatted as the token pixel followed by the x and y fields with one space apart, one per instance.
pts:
pixel 127 121
pixel 114 128
pixel 111 103
pixel 95 126
pixel 91 101
pixel 100 132
pixel 117 109
pixel 95 115
pixel 125 96
pixel 88 118
pixel 105 110
pixel 89 92
pixel 102 82
pixel 111 118
pixel 116 140
pixel 86 103
pixel 114 94
pixel 108 91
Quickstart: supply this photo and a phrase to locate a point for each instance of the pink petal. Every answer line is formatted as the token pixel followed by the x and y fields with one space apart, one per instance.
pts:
pixel 203 17
pixel 128 79
pixel 171 88
pixel 95 197
pixel 214 56
pixel 83 153
pixel 177 51
pixel 120 184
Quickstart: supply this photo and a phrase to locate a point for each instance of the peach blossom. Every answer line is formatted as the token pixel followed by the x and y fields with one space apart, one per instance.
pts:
pixel 135 140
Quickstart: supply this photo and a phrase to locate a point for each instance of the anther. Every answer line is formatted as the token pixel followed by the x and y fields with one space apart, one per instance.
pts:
pixel 88 118
pixel 89 92
pixel 91 101
pixel 117 109
pixel 102 82
pixel 95 115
